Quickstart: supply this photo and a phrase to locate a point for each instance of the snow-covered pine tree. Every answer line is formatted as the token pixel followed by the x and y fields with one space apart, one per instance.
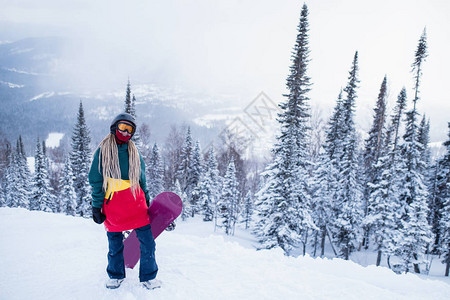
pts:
pixel 2 196
pixel 247 209
pixel 80 158
pixel 384 208
pixel 325 187
pixel 347 205
pixel 5 160
pixel 67 196
pixel 414 195
pixel 399 110
pixel 185 158
pixel 41 197
pixel 128 103
pixel 17 190
pixel 193 178
pixel 133 106
pixel 171 156
pixel 373 145
pixel 130 108
pixel 333 143
pixel 419 58
pixel 285 192
pixel 443 196
pixel 435 204
pixel 9 183
pixel 24 174
pixel 177 190
pixel 424 139
pixel 209 187
pixel 228 204
pixel 155 173
pixel 326 175
pixel 429 171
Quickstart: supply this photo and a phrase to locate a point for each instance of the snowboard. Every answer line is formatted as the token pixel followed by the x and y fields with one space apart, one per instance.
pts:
pixel 163 210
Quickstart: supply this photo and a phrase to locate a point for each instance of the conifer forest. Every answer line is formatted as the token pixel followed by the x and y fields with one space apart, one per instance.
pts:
pixel 323 189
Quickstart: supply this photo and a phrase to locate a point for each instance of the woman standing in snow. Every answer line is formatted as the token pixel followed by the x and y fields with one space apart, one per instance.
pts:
pixel 121 199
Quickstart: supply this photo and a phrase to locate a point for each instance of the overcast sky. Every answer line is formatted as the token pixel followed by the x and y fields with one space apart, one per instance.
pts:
pixel 241 48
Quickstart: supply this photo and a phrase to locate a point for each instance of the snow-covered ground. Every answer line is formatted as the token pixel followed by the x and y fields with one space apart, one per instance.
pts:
pixel 53 256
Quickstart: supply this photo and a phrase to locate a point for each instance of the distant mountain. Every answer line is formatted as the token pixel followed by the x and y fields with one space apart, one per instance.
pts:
pixel 35 101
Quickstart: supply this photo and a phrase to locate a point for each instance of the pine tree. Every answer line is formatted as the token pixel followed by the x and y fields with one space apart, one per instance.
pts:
pixel 67 196
pixel 41 194
pixel 228 205
pixel 80 160
pixel 333 142
pixel 385 207
pixel 5 162
pixel 208 190
pixel 17 181
pixel 284 201
pixel 420 56
pixel 396 118
pixel 172 153
pixel 128 104
pixel 326 176
pixel 186 206
pixel 155 173
pixel 185 157
pixel 375 140
pixel 24 176
pixel 435 204
pixel 130 108
pixel 415 228
pixel 443 197
pixel 348 207
pixel 2 197
pixel 133 106
pixel 424 139
pixel 193 178
pixel 210 187
pixel 325 191
pixel 247 209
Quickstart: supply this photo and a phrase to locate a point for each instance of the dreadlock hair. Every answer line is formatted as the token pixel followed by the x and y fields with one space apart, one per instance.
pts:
pixel 109 163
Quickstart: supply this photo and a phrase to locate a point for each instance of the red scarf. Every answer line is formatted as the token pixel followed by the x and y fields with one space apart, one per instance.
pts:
pixel 120 138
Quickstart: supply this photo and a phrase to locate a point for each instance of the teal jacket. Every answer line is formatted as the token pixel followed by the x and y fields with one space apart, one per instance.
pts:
pixel 96 176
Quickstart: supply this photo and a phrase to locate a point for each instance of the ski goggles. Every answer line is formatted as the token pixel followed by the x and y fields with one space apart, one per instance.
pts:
pixel 125 127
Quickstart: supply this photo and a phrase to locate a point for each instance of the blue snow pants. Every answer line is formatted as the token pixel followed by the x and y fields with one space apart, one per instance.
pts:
pixel 116 265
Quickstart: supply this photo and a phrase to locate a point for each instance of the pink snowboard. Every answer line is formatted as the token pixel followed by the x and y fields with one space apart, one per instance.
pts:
pixel 163 210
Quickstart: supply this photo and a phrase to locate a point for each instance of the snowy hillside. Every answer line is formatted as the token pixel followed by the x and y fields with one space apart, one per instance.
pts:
pixel 51 256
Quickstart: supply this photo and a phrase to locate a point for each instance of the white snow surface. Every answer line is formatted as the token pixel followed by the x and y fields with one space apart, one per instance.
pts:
pixel 53 256
pixel 53 140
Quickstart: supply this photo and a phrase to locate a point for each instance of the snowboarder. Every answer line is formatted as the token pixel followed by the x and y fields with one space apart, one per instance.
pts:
pixel 120 199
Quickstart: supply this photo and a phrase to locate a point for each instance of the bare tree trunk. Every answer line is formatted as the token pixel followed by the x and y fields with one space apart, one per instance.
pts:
pixel 379 258
pixel 315 243
pixel 305 243
pixel 416 266
pixel 322 242
pixel 331 243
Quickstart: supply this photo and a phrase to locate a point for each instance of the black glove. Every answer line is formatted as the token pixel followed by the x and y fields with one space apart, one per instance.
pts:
pixel 171 226
pixel 97 215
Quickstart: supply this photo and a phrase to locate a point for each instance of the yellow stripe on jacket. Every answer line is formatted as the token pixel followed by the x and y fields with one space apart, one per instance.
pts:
pixel 116 185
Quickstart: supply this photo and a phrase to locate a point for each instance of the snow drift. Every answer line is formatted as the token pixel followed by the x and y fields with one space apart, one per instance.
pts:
pixel 53 256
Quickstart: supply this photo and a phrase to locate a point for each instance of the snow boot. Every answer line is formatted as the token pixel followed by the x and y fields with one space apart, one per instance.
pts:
pixel 152 284
pixel 113 283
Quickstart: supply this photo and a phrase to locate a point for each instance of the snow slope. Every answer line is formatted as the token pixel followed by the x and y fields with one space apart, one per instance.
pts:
pixel 52 256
